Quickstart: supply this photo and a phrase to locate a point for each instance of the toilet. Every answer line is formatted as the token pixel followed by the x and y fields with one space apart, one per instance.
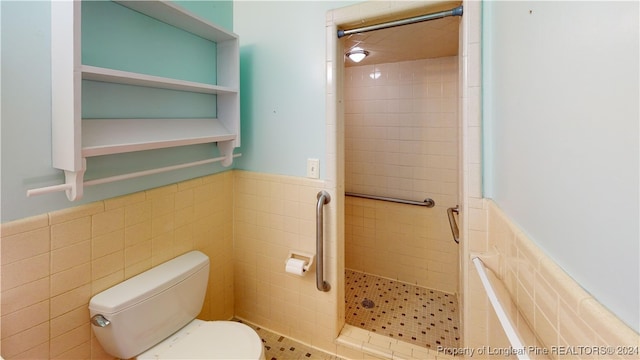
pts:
pixel 153 316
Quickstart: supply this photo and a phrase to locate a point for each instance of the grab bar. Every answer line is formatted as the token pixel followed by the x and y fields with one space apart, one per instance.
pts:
pixel 453 223
pixel 503 317
pixel 428 202
pixel 323 198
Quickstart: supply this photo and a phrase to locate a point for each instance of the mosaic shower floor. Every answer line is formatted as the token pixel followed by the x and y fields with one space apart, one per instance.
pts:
pixel 413 314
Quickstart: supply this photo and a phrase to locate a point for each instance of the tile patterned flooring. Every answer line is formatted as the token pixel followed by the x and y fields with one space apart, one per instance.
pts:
pixel 412 314
pixel 277 347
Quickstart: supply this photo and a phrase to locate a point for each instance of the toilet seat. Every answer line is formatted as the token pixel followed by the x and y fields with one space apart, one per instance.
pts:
pixel 209 340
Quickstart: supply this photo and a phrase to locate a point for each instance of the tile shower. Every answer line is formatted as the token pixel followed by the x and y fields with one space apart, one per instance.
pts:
pixel 410 313
pixel 401 141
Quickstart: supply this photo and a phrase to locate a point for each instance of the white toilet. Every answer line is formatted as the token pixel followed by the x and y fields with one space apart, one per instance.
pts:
pixel 153 316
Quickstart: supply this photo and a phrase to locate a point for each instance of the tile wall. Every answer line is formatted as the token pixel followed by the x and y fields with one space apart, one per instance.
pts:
pixel 408 243
pixel 563 316
pixel 53 263
pixel 274 215
pixel 401 140
pixel 401 129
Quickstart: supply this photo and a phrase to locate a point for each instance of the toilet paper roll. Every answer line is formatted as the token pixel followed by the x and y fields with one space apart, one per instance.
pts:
pixel 295 266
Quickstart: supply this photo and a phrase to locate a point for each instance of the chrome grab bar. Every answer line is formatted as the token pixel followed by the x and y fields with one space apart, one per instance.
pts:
pixel 453 223
pixel 428 202
pixel 323 198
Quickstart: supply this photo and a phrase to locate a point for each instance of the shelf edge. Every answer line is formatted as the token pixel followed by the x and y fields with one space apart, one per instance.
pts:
pixel 92 151
pixel 181 18
pixel 95 73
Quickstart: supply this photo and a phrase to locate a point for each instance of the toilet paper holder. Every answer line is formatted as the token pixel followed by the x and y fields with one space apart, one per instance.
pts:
pixel 301 255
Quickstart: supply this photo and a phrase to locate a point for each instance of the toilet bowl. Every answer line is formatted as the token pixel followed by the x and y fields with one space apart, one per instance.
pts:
pixel 153 316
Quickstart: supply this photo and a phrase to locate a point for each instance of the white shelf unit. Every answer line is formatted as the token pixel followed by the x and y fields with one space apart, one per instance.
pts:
pixel 74 139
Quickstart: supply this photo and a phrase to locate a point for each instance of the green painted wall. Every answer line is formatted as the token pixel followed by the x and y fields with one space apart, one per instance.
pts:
pixel 283 83
pixel 108 41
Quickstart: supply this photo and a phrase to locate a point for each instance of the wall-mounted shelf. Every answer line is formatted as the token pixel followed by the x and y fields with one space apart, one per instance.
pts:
pixel 176 16
pixel 136 79
pixel 74 138
pixel 116 136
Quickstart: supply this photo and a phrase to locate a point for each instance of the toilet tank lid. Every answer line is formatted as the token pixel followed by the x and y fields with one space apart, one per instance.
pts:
pixel 148 283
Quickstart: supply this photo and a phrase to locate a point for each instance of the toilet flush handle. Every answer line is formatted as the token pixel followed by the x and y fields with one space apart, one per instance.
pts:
pixel 100 321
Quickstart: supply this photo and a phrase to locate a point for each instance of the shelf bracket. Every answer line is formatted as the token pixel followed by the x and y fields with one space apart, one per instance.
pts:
pixel 74 180
pixel 226 150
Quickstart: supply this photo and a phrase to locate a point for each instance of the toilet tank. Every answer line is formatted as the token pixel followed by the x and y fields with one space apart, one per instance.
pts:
pixel 145 309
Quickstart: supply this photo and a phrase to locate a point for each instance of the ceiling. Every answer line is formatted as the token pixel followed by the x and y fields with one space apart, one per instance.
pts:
pixel 423 40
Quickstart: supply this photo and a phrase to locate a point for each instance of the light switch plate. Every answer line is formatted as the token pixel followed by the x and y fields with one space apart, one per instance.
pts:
pixel 313 168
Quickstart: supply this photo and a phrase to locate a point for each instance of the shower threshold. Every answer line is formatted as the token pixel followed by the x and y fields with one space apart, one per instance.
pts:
pixel 413 314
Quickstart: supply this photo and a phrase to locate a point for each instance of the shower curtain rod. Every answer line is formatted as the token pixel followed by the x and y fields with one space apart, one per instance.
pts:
pixel 433 16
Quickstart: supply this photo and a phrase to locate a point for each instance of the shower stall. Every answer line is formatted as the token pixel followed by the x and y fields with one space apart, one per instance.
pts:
pixel 401 175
